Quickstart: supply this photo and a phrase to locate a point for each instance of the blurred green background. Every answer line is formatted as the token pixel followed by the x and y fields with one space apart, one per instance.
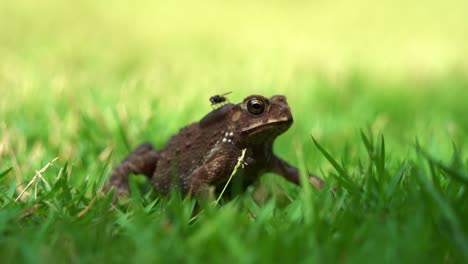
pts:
pixel 215 46
pixel 86 81
pixel 82 79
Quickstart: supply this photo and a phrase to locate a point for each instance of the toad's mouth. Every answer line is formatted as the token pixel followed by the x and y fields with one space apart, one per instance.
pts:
pixel 280 125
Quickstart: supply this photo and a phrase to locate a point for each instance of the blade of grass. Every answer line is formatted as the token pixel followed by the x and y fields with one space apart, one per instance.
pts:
pixel 380 161
pixel 434 176
pixel 342 176
pixel 36 177
pixel 458 234
pixel 240 162
pixel 5 172
pixel 368 144
pixel 395 181
pixel 452 172
pixel 122 131
pixel 327 155
pixel 99 183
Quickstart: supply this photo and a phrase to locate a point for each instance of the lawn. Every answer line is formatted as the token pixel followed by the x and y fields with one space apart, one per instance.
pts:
pixel 378 95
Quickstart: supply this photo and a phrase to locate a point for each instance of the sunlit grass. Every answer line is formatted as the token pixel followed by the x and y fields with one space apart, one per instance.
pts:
pixel 381 88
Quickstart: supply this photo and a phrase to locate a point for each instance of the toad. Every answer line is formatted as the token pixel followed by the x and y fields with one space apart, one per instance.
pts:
pixel 201 156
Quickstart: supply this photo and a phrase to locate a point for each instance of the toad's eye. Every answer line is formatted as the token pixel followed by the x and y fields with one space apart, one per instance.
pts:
pixel 256 106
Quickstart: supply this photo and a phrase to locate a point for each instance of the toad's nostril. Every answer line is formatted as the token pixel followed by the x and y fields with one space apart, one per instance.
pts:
pixel 279 98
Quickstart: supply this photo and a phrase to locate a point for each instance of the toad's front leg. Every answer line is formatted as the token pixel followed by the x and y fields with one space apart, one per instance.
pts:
pixel 214 172
pixel 291 173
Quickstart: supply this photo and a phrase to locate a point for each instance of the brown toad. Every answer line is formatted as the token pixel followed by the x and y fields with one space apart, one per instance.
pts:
pixel 203 154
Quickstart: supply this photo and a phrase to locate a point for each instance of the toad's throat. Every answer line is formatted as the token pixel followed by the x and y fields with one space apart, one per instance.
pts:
pixel 257 127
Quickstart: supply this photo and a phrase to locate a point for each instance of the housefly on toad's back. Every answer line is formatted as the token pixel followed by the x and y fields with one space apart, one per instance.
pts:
pixel 218 99
pixel 202 155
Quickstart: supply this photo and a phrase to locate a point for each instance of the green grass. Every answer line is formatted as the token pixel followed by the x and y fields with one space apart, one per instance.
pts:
pixel 380 116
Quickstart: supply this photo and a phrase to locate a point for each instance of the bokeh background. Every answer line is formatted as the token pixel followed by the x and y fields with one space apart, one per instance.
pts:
pixel 216 46
pixel 86 81
pixel 69 69
pixel 344 66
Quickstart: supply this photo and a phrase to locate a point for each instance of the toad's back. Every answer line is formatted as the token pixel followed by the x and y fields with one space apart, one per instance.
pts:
pixel 191 148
